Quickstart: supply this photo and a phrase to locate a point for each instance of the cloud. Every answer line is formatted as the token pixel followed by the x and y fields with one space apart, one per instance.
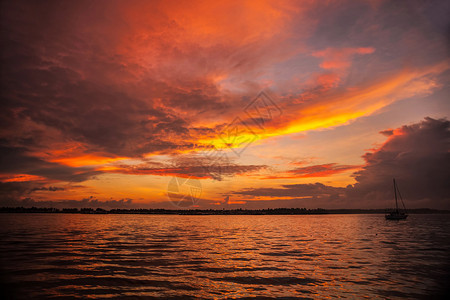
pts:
pixel 89 202
pixel 189 166
pixel 23 174
pixel 340 58
pixel 294 190
pixel 416 155
pixel 387 132
pixel 20 178
pixel 342 106
pixel 14 191
pixel 48 188
pixel 86 85
pixel 152 78
pixel 323 170
pixel 127 80
pixel 15 160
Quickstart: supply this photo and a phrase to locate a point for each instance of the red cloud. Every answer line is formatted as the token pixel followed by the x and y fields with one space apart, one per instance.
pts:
pixel 86 85
pixel 199 171
pixel 418 158
pixel 335 58
pixel 323 170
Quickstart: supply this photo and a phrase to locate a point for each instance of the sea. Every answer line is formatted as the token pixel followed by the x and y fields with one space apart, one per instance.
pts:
pixel 79 256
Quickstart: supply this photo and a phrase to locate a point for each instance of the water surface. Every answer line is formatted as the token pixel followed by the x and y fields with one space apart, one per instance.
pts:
pixel 166 256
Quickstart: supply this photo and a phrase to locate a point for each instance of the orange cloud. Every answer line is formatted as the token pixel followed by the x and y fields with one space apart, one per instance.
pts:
pixel 362 101
pixel 198 171
pixel 323 170
pixel 335 58
pixel 338 108
pixel 176 172
pixel 328 80
pixel 201 39
pixel 135 79
pixel 20 178
pixel 86 160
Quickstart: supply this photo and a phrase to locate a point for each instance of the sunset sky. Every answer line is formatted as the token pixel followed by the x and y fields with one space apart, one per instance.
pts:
pixel 260 103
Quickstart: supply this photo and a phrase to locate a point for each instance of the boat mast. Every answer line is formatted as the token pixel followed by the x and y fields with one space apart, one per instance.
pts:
pixel 395 193
pixel 401 199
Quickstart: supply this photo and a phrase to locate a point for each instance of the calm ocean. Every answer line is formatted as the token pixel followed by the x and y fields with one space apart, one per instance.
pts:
pixel 237 257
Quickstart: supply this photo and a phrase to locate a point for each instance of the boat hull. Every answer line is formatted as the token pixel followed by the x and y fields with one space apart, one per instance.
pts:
pixel 396 217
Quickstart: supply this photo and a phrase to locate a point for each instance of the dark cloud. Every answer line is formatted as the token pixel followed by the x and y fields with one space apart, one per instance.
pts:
pixel 416 155
pixel 12 191
pixel 322 170
pixel 43 107
pixel 48 188
pixel 402 25
pixel 387 132
pixel 294 190
pixel 214 164
pixel 195 166
pixel 129 79
pixel 90 73
pixel 15 160
pixel 89 202
pixel 63 80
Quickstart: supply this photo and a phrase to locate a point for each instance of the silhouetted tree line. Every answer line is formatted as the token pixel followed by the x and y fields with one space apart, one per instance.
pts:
pixel 239 211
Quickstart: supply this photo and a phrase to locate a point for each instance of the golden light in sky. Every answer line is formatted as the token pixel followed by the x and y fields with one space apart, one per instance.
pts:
pixel 265 103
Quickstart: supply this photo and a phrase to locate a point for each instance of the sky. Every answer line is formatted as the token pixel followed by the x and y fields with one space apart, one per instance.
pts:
pixel 224 104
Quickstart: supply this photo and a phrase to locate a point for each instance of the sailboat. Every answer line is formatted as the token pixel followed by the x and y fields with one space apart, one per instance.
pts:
pixel 397 214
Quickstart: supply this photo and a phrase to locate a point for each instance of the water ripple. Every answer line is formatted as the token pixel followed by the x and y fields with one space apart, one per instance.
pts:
pixel 221 257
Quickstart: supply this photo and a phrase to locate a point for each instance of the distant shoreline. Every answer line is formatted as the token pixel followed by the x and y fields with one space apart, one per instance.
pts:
pixel 274 211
